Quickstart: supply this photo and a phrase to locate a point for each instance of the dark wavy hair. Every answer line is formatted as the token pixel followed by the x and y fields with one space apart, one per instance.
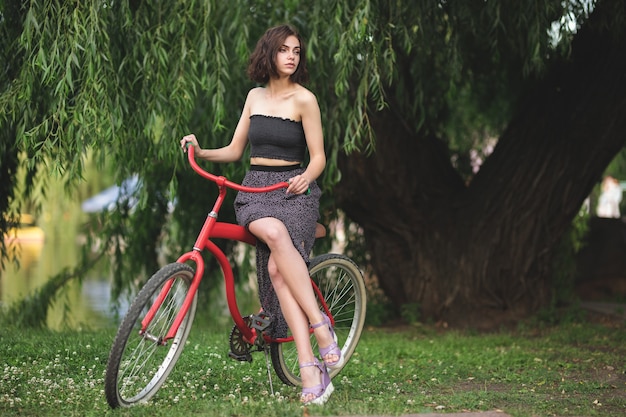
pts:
pixel 262 62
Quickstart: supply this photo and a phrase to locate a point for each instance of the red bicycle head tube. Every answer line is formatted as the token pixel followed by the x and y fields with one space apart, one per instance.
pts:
pixel 223 181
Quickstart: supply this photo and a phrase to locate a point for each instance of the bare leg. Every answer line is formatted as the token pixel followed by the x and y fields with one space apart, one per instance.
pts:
pixel 290 279
pixel 299 325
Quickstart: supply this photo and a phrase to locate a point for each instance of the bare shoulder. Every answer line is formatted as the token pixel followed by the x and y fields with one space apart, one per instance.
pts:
pixel 253 101
pixel 305 98
pixel 254 93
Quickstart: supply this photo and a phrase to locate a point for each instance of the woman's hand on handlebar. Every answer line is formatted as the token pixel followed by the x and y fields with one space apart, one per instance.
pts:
pixel 191 138
pixel 298 185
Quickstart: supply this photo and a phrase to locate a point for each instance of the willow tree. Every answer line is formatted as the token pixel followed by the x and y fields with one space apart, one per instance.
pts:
pixel 476 247
pixel 408 90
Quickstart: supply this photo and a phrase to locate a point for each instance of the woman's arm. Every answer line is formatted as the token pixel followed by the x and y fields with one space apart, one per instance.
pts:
pixel 312 124
pixel 231 152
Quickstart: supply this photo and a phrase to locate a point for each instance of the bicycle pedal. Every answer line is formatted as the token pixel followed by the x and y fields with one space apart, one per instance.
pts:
pixel 241 358
pixel 260 322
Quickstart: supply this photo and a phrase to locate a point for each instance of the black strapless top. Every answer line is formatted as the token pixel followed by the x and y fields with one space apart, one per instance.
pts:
pixel 276 138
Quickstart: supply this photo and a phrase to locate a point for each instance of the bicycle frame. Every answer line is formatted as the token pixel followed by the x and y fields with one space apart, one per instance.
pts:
pixel 214 229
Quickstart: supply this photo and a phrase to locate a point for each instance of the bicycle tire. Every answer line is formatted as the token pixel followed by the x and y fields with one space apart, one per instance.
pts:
pixel 341 284
pixel 138 365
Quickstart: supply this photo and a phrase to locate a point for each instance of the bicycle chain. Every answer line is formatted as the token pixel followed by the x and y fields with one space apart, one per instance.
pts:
pixel 239 348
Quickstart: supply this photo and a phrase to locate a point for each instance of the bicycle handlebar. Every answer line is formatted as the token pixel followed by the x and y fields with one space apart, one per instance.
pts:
pixel 223 181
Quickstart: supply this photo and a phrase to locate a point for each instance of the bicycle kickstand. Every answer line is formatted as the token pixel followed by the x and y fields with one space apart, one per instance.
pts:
pixel 269 370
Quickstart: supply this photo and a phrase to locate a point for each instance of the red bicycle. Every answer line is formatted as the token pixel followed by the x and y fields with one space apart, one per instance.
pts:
pixel 152 335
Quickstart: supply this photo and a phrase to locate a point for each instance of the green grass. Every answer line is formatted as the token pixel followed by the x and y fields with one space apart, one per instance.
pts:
pixel 575 369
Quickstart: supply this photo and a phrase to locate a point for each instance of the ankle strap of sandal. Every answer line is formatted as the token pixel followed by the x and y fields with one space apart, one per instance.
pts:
pixel 307 364
pixel 325 322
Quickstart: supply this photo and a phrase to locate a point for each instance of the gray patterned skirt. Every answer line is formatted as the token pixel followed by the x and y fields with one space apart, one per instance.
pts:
pixel 299 213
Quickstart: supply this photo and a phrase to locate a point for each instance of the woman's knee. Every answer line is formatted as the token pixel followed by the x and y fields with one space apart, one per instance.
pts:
pixel 274 234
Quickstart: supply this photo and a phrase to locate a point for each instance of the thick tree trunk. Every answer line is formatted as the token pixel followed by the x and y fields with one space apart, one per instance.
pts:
pixel 467 254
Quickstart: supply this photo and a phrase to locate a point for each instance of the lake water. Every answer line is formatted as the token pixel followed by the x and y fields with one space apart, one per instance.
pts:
pixel 86 305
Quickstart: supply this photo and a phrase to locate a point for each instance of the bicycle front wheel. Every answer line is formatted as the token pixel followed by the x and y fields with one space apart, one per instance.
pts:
pixel 140 361
pixel 342 288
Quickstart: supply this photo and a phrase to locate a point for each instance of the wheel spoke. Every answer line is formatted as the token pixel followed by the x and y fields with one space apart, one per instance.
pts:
pixel 140 363
pixel 341 285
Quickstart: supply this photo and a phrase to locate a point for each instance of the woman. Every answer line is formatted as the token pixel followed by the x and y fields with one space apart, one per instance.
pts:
pixel 281 120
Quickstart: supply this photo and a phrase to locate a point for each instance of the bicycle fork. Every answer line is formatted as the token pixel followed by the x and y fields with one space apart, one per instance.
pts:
pixel 180 316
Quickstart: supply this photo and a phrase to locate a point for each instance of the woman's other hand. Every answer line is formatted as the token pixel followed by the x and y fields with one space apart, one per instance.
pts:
pixel 191 138
pixel 298 185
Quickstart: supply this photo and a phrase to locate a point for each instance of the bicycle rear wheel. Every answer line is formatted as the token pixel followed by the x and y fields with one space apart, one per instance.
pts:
pixel 341 285
pixel 140 362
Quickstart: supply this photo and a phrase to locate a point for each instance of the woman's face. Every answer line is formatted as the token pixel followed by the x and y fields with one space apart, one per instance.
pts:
pixel 288 56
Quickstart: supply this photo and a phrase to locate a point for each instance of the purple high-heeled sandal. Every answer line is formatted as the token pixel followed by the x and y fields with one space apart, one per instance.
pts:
pixel 321 391
pixel 333 348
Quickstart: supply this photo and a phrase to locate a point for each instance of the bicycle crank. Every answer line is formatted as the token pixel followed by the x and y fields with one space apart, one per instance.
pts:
pixel 239 348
